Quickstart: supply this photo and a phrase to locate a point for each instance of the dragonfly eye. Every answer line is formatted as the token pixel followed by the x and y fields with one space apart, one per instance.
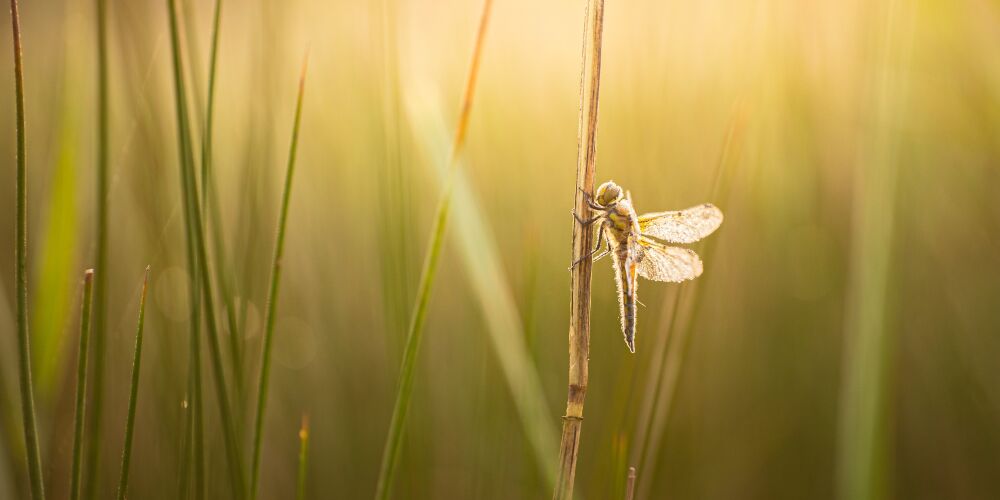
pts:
pixel 609 193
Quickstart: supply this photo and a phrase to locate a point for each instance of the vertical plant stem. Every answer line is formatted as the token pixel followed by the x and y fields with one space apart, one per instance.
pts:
pixel 579 321
pixel 630 484
pixel 133 392
pixel 193 447
pixel 272 299
pixel 393 442
pixel 196 235
pixel 94 430
pixel 21 272
pixel 210 203
pixel 300 493
pixel 81 383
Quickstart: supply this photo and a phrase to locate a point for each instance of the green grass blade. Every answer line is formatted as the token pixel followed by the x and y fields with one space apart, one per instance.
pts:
pixel 94 430
pixel 210 202
pixel 56 262
pixel 300 492
pixel 482 264
pixel 272 299
pixel 193 454
pixel 81 384
pixel 390 455
pixel 133 392
pixel 21 271
pixel 863 448
pixel 196 235
pixel 195 420
pixel 405 388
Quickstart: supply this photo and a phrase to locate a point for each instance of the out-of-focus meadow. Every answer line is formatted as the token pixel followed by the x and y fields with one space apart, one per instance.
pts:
pixel 853 146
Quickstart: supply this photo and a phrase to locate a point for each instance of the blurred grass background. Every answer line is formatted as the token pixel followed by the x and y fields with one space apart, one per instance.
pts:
pixel 823 97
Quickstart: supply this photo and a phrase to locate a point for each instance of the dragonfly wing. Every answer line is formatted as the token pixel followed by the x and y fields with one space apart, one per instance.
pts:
pixel 626 270
pixel 660 262
pixel 682 226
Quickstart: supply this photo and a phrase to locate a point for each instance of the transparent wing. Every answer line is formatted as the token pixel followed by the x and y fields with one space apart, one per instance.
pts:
pixel 682 226
pixel 660 262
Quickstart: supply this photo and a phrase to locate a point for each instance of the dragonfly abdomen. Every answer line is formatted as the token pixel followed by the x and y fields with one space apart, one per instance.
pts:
pixel 630 322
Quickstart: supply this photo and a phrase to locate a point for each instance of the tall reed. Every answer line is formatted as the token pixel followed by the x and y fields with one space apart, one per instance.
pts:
pixel 272 298
pixel 21 271
pixel 583 238
pixel 133 392
pixel 630 484
pixel 81 383
pixel 390 454
pixel 94 430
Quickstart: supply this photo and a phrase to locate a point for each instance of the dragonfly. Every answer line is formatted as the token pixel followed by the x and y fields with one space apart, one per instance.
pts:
pixel 631 240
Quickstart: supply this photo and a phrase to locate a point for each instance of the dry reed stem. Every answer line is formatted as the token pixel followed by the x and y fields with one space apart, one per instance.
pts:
pixel 579 327
pixel 630 484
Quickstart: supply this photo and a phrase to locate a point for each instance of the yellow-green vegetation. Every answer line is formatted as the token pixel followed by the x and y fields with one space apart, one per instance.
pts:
pixel 840 343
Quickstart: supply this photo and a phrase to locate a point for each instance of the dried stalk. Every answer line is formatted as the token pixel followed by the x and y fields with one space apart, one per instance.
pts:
pixel 579 322
pixel 630 484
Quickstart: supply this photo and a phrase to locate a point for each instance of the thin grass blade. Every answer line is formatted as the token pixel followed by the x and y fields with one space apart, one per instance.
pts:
pixel 394 439
pixel 94 430
pixel 133 392
pixel 863 450
pixel 196 238
pixel 81 384
pixel 21 271
pixel 272 299
pixel 210 202
pixel 482 264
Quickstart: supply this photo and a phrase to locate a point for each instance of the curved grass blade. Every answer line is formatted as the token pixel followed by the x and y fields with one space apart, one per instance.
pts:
pixel 21 271
pixel 405 388
pixel 133 392
pixel 272 300
pixel 81 384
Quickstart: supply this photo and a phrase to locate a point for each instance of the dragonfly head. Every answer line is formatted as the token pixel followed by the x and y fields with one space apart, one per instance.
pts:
pixel 609 193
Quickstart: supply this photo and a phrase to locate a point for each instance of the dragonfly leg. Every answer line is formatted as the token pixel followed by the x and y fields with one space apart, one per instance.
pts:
pixel 586 222
pixel 590 200
pixel 600 241
pixel 602 254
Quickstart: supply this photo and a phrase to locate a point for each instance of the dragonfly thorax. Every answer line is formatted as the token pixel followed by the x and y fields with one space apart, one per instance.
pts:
pixel 622 220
